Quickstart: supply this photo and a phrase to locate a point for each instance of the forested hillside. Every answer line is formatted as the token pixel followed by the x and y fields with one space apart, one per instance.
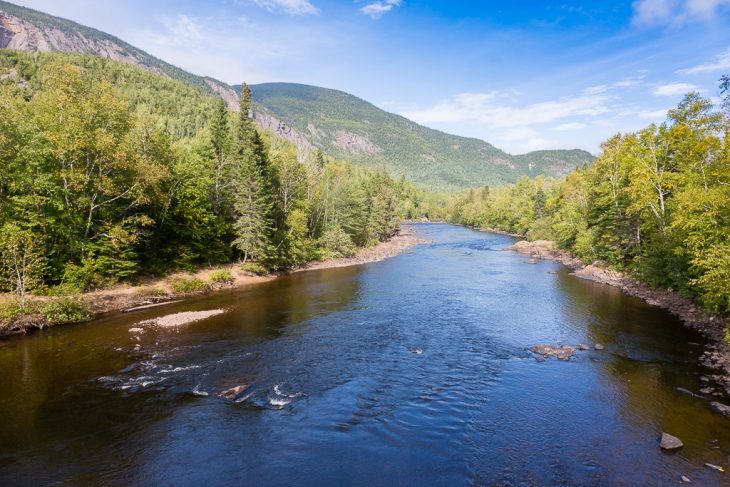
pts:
pixel 108 172
pixel 655 203
pixel 348 127
pixel 313 118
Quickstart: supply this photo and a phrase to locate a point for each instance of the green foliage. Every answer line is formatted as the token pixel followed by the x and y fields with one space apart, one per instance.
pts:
pixel 430 158
pixel 336 243
pixel 108 172
pixel 20 261
pixel 221 276
pixel 254 268
pixel 655 202
pixel 66 309
pixel 10 310
pixel 190 284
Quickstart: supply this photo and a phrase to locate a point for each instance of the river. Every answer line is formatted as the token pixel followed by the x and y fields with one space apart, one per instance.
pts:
pixel 410 371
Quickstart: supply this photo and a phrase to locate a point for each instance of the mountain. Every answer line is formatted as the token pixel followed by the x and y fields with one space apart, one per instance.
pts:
pixel 340 124
pixel 351 128
pixel 29 30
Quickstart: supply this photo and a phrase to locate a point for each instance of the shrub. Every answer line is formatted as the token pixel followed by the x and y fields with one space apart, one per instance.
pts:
pixel 336 243
pixel 66 309
pixel 10 310
pixel 254 268
pixel 63 289
pixel 188 284
pixel 222 276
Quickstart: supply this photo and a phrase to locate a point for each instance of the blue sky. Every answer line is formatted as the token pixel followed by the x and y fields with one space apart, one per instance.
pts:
pixel 521 75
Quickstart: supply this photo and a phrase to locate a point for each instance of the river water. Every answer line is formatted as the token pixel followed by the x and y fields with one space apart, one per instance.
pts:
pixel 411 371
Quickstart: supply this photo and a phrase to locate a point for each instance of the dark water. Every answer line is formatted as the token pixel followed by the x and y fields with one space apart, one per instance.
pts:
pixel 411 371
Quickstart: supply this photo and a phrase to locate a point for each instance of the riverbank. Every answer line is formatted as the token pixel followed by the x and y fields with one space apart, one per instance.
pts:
pixel 155 292
pixel 716 357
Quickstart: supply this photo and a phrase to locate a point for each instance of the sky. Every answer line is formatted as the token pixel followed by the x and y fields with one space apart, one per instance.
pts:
pixel 522 75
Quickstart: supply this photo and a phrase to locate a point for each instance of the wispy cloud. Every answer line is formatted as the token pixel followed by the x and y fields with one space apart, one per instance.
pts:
pixel 720 62
pixel 654 115
pixel 676 12
pixel 566 127
pixel 489 109
pixel 180 31
pixel 673 89
pixel 377 9
pixel 291 7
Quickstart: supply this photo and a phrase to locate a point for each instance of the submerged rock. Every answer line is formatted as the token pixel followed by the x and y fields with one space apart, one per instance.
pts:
pixel 233 393
pixel 720 408
pixel 562 352
pixel 670 442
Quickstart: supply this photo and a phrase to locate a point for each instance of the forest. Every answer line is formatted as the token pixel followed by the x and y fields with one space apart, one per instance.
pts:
pixel 655 203
pixel 109 172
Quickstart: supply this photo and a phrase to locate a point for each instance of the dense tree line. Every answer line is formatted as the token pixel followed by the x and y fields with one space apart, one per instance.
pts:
pixel 656 203
pixel 108 172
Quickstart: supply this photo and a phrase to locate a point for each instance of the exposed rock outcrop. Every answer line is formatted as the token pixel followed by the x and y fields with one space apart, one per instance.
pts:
pixel 355 143
pixel 228 94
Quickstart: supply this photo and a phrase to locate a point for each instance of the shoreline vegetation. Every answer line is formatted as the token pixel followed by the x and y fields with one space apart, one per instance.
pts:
pixel 711 325
pixel 156 292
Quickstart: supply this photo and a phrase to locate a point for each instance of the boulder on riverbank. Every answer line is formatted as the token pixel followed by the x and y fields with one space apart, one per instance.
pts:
pixel 670 443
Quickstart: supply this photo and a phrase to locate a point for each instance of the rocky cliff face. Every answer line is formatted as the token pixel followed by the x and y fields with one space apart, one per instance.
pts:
pixel 16 33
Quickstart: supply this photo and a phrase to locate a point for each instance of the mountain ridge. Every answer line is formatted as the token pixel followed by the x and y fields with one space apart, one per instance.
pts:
pixel 340 124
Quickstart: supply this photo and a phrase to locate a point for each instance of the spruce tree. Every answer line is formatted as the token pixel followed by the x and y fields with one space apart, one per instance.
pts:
pixel 254 225
pixel 219 138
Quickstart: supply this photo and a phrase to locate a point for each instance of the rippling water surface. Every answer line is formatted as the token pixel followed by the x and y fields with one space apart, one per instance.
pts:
pixel 410 371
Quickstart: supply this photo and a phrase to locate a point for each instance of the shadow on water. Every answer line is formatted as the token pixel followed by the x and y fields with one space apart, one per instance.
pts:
pixel 412 371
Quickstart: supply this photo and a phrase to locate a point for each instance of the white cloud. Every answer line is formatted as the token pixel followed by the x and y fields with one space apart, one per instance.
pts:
pixel 377 9
pixel 565 127
pixel 676 12
pixel 291 7
pixel 652 11
pixel 654 115
pixel 673 89
pixel 483 108
pixel 719 63
pixel 181 31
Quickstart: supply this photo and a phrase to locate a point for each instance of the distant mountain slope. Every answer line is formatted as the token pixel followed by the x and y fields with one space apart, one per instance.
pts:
pixel 29 30
pixel 348 127
pixel 340 124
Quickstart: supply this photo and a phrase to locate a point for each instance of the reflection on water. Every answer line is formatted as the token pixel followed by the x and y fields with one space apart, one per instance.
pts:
pixel 410 371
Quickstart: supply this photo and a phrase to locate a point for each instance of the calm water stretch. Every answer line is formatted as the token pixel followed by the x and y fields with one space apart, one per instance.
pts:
pixel 410 371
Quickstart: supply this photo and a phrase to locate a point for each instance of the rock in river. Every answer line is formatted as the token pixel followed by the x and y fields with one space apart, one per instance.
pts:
pixel 563 352
pixel 721 408
pixel 670 442
pixel 598 346
pixel 234 392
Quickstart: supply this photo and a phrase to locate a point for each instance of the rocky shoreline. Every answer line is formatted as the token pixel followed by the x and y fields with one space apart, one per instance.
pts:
pixel 717 355
pixel 158 292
